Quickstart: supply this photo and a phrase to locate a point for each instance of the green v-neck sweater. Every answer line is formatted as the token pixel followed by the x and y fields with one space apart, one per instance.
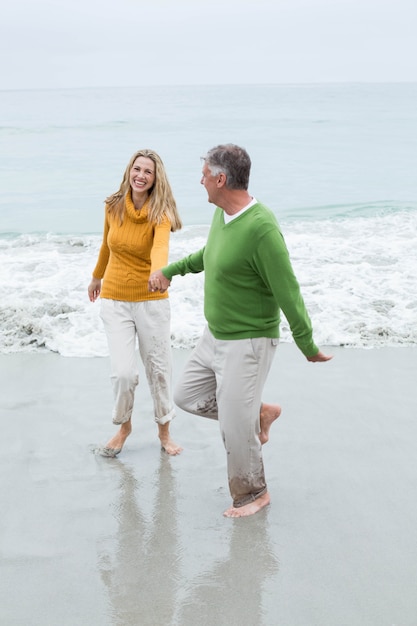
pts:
pixel 248 279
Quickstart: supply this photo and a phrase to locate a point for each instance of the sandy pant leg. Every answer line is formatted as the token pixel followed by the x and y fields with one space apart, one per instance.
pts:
pixel 153 320
pixel 242 367
pixel 121 337
pixel 195 392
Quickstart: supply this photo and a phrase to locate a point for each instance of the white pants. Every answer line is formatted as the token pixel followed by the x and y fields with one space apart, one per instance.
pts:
pixel 149 321
pixel 224 380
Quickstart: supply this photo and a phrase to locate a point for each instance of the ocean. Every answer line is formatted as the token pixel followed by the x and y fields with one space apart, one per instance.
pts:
pixel 335 162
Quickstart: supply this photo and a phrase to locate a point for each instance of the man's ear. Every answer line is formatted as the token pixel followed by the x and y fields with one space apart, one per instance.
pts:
pixel 221 180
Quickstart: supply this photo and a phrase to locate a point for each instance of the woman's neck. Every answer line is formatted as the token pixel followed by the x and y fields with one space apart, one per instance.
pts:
pixel 139 199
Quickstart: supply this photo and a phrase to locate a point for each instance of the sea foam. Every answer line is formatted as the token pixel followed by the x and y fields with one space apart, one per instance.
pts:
pixel 357 276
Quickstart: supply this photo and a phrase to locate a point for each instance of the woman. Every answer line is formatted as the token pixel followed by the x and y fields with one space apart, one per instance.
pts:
pixel 138 220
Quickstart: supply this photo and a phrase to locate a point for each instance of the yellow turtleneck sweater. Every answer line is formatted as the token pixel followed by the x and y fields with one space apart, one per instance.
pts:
pixel 130 252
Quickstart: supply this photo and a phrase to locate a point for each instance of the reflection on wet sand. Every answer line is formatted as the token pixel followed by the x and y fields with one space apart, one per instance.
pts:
pixel 230 592
pixel 148 566
pixel 142 576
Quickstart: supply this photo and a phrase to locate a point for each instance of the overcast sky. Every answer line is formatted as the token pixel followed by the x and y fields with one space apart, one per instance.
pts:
pixel 81 43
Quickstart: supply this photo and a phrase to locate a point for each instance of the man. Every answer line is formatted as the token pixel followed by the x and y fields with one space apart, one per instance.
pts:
pixel 248 279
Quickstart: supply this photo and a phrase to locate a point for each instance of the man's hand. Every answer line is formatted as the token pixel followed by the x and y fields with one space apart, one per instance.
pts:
pixel 319 358
pixel 158 282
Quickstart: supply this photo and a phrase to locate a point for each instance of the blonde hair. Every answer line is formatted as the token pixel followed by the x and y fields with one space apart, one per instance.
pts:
pixel 161 199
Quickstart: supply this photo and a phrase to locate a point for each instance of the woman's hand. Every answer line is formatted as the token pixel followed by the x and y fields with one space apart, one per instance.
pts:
pixel 158 282
pixel 94 289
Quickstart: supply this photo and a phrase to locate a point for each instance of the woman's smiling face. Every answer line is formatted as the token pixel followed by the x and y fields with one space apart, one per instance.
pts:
pixel 142 175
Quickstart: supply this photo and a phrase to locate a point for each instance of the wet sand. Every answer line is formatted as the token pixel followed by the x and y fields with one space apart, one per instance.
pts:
pixel 141 540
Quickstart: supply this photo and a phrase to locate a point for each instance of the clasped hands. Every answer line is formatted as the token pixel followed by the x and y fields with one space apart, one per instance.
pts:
pixel 158 282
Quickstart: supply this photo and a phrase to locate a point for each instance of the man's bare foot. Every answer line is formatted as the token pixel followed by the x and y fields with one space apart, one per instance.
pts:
pixel 250 508
pixel 167 444
pixel 268 414
pixel 117 442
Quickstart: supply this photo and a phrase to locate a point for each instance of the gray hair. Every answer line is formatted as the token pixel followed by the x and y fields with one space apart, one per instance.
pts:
pixel 231 160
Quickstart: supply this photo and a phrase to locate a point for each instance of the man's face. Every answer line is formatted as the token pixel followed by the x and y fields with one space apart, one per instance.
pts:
pixel 210 183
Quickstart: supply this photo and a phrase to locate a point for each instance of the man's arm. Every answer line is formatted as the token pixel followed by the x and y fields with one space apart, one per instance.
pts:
pixel 275 267
pixel 161 279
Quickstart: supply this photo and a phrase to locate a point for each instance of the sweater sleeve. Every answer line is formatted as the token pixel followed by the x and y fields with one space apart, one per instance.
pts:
pixel 160 246
pixel 274 265
pixel 104 254
pixel 192 264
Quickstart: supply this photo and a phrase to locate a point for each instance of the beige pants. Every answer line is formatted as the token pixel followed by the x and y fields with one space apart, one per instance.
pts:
pixel 149 321
pixel 224 380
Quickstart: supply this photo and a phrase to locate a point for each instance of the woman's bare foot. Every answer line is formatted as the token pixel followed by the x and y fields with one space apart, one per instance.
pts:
pixel 117 442
pixel 166 442
pixel 250 508
pixel 268 414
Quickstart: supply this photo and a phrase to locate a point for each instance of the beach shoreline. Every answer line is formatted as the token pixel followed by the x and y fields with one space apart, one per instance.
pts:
pixel 141 539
